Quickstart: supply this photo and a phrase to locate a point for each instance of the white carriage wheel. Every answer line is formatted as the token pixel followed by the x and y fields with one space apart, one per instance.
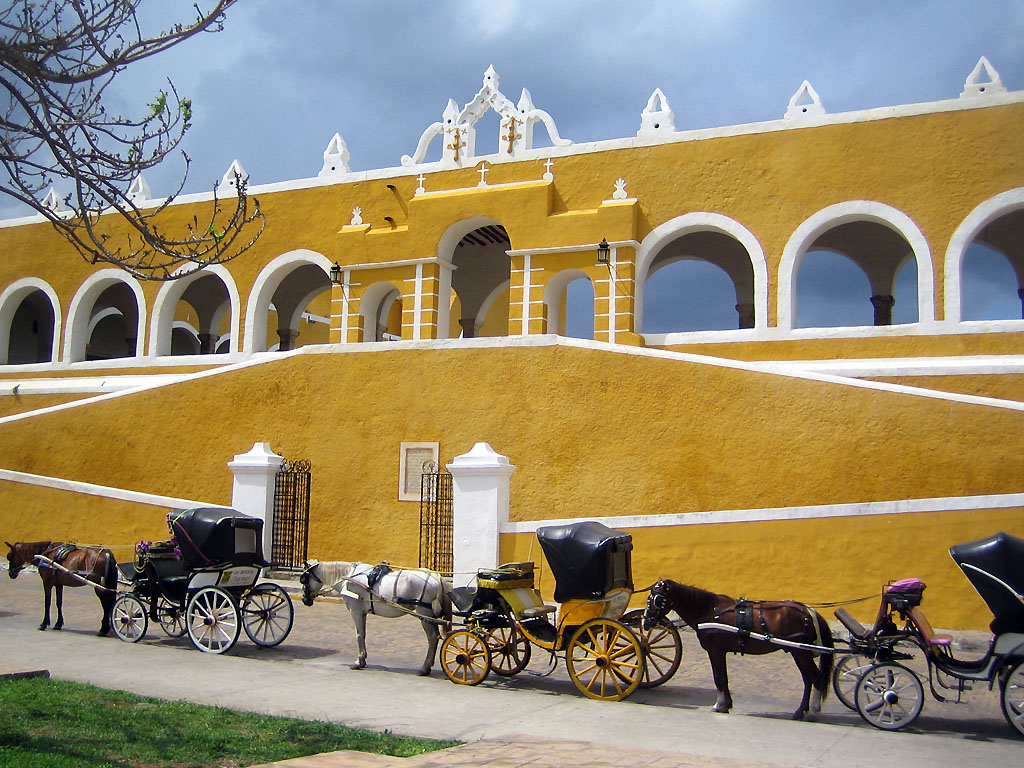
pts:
pixel 267 615
pixel 171 618
pixel 845 677
pixel 889 696
pixel 212 620
pixel 1012 697
pixel 128 618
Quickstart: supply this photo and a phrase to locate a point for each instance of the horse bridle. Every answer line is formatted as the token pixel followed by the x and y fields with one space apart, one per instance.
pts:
pixel 657 606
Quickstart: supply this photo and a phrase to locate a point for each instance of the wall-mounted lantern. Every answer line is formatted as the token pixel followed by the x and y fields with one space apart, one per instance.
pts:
pixel 335 274
pixel 604 252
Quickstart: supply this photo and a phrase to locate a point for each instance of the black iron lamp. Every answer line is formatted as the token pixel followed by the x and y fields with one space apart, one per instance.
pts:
pixel 603 252
pixel 336 274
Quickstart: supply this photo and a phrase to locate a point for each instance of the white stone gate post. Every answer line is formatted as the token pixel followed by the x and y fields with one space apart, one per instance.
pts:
pixel 480 488
pixel 252 492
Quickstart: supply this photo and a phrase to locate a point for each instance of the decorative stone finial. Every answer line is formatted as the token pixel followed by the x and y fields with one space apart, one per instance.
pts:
pixel 657 117
pixel 357 217
pixel 805 103
pixel 975 85
pixel 620 190
pixel 54 202
pixel 139 192
pixel 229 184
pixel 335 157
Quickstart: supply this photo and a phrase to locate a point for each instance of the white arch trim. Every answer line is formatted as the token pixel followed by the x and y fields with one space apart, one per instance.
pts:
pixel 10 300
pixel 263 291
pixel 554 291
pixel 486 304
pixel 976 220
pixel 451 237
pixel 370 306
pixel 844 213
pixel 702 221
pixel 76 333
pixel 170 294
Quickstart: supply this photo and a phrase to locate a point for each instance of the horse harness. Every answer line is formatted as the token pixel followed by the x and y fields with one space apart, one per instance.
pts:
pixel 62 551
pixel 745 611
pixel 378 572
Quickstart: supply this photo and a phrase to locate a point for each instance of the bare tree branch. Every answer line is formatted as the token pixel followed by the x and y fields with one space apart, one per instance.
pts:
pixel 57 58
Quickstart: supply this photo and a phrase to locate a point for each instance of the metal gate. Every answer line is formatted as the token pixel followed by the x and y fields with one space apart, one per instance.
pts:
pixel 436 519
pixel 291 516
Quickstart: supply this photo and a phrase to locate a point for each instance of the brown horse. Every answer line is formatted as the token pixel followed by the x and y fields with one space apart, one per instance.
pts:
pixel 91 564
pixel 782 620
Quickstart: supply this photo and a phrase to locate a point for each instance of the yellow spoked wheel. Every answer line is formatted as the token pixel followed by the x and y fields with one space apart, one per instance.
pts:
pixel 510 651
pixel 662 647
pixel 465 658
pixel 605 660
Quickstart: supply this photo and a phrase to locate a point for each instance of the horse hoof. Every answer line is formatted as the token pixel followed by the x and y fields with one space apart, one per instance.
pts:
pixel 42 627
pixel 720 710
pixel 356 665
pixel 798 716
pixel 424 673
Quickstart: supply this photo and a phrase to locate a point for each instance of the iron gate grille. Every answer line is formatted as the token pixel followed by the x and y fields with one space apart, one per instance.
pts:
pixel 291 516
pixel 436 520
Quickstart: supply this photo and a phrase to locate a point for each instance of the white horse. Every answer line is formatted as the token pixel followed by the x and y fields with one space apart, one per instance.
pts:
pixel 399 592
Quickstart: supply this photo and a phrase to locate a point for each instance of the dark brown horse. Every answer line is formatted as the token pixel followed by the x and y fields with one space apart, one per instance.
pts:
pixel 780 620
pixel 91 564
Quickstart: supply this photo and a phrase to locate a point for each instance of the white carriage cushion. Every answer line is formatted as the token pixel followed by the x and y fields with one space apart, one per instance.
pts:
pixel 524 600
pixel 929 635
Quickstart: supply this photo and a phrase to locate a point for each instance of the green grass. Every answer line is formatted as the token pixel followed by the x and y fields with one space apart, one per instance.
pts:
pixel 47 723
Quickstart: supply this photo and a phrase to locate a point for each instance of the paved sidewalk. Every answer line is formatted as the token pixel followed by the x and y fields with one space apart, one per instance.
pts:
pixel 528 721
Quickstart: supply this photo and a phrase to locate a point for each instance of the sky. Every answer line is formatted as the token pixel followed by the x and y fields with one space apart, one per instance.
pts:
pixel 283 77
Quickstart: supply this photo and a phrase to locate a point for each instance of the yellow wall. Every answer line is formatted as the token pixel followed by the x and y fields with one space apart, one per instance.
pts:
pixel 593 432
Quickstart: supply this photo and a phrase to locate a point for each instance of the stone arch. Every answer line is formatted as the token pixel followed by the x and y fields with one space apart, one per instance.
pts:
pixel 124 292
pixel 555 298
pixel 477 247
pixel 11 300
pixel 374 307
pixel 195 285
pixel 701 221
pixel 993 209
pixel 265 290
pixel 853 211
pixel 184 335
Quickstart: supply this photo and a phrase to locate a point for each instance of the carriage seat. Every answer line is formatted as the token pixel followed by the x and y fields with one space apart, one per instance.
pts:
pixel 853 626
pixel 931 639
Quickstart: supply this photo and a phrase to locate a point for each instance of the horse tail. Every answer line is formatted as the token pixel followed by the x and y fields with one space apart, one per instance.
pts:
pixel 446 611
pixel 827 659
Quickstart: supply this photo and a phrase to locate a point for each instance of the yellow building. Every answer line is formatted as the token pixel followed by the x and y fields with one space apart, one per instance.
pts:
pixel 784 456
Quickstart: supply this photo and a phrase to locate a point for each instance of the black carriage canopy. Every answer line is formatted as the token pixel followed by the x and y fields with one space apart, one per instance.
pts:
pixel 995 566
pixel 587 559
pixel 210 536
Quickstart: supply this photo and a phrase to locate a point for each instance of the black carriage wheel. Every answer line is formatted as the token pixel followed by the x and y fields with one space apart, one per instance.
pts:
pixel 465 658
pixel 845 677
pixel 510 650
pixel 267 615
pixel 128 618
pixel 1012 697
pixel 605 660
pixel 889 696
pixel 212 620
pixel 171 618
pixel 662 647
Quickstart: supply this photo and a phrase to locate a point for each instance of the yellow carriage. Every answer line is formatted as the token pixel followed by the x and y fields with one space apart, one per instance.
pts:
pixel 606 652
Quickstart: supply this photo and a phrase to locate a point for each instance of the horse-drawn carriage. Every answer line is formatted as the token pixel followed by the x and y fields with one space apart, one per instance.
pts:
pixel 888 694
pixel 606 652
pixel 202 582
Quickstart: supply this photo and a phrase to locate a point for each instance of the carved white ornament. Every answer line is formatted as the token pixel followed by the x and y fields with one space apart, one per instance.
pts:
pixel 357 217
pixel 229 184
pixel 458 127
pixel 657 117
pixel 620 190
pixel 335 157
pixel 805 103
pixel 976 86
pixel 139 192
pixel 54 202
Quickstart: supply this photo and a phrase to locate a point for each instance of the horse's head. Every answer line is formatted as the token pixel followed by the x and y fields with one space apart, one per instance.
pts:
pixel 657 605
pixel 310 581
pixel 15 562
